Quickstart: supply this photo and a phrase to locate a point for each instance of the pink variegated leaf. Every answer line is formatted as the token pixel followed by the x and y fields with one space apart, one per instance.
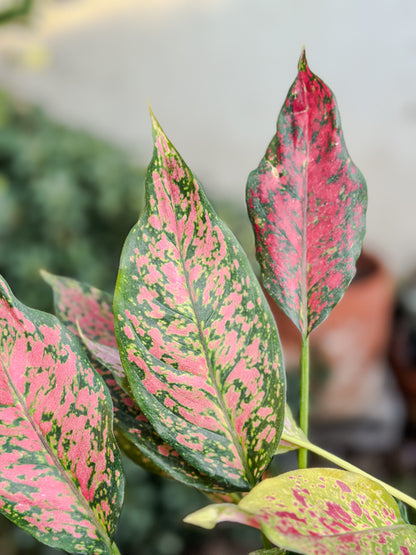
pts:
pixel 196 336
pixel 307 203
pixel 319 511
pixel 80 305
pixel 87 312
pixel 108 358
pixel 60 471
pixel 137 437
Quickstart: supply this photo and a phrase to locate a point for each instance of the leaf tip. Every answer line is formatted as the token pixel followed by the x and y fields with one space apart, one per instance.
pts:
pixel 204 518
pixel 303 63
pixel 155 124
pixel 45 275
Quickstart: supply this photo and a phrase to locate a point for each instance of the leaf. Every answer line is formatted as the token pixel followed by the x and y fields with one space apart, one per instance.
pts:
pixel 319 511
pixel 80 305
pixel 87 311
pixel 196 336
pixel 60 471
pixel 291 433
pixel 273 551
pixel 307 203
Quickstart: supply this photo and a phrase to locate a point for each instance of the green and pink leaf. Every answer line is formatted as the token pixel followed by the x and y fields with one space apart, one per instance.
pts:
pixel 307 203
pixel 196 335
pixel 60 471
pixel 319 512
pixel 87 311
pixel 81 306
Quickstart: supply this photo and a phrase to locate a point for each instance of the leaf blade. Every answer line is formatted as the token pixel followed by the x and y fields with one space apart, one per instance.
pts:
pixel 55 433
pixel 319 511
pixel 87 311
pixel 185 296
pixel 307 204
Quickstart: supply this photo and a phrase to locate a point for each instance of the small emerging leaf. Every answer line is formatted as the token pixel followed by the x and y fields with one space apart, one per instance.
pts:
pixel 196 336
pixel 307 203
pixel 60 470
pixel 319 512
pixel 291 433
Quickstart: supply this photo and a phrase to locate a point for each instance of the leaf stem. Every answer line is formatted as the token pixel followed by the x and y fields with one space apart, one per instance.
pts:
pixel 266 542
pixel 304 400
pixel 114 549
pixel 350 467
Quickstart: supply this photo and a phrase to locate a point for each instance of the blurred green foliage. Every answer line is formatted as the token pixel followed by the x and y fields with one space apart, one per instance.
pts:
pixel 17 10
pixel 67 202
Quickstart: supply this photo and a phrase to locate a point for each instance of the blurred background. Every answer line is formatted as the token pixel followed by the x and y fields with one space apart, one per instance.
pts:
pixel 76 77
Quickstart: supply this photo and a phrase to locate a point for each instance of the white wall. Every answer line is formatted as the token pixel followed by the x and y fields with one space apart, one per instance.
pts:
pixel 216 73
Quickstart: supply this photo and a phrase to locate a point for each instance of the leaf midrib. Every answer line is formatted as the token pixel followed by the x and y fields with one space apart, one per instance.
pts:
pixel 61 469
pixel 304 273
pixel 234 437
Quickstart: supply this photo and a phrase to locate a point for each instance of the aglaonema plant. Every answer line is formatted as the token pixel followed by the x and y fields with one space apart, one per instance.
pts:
pixel 183 366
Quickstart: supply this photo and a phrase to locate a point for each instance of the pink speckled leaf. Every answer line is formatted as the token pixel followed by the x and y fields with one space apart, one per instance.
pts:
pixel 196 336
pixel 307 203
pixel 60 471
pixel 319 511
pixel 87 312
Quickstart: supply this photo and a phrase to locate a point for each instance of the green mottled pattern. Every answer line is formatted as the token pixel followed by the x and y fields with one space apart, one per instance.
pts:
pixel 87 311
pixel 60 471
pixel 307 202
pixel 196 335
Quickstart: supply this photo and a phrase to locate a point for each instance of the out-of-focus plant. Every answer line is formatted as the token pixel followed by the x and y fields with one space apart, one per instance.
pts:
pixel 16 10
pixel 67 200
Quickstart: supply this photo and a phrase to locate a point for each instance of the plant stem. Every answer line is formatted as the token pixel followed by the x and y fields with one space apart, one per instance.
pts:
pixel 304 400
pixel 350 467
pixel 266 542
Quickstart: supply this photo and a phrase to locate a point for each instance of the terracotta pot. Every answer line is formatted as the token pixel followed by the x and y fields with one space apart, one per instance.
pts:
pixel 351 346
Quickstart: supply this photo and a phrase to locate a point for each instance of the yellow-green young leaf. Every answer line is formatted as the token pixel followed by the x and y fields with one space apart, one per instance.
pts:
pixel 60 471
pixel 291 431
pixel 320 511
pixel 196 336
pixel 273 551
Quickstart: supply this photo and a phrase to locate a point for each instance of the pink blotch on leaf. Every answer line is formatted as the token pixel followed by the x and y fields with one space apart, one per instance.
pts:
pixel 339 514
pixel 343 487
pixel 128 332
pixel 356 509
pixel 196 442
